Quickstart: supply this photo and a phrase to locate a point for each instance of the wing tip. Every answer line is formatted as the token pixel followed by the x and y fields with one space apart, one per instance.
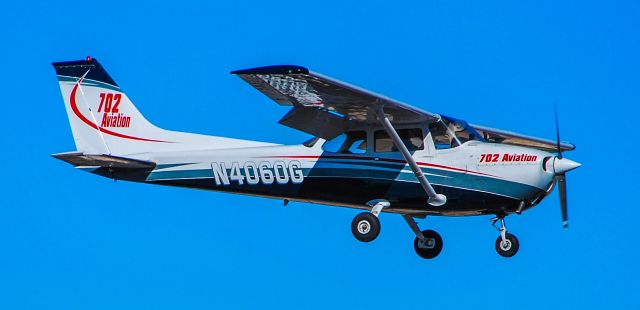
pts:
pixel 87 61
pixel 568 145
pixel 78 68
pixel 278 69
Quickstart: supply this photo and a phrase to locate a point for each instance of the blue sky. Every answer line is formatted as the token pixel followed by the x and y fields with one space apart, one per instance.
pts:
pixel 72 240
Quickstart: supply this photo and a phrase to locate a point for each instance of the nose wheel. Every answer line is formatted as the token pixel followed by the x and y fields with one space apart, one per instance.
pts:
pixel 507 247
pixel 507 244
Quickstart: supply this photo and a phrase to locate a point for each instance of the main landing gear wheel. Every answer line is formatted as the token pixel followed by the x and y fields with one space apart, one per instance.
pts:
pixel 365 227
pixel 430 246
pixel 507 247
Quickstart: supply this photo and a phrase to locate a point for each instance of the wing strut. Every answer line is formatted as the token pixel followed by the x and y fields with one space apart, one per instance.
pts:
pixel 435 199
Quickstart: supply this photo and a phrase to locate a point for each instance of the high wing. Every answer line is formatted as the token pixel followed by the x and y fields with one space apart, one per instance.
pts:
pixel 512 138
pixel 323 106
pixel 326 107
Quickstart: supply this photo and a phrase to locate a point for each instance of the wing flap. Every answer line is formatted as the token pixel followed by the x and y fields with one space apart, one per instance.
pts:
pixel 316 122
pixel 299 87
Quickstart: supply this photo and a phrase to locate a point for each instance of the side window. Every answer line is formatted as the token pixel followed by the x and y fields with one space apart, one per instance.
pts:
pixel 411 137
pixel 442 138
pixel 334 144
pixel 353 142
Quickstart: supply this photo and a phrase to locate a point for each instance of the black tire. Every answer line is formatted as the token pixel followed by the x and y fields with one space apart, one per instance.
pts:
pixel 431 248
pixel 365 227
pixel 510 248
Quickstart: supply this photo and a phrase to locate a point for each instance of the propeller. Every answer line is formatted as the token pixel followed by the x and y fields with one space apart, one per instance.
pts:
pixel 561 166
pixel 555 113
pixel 562 189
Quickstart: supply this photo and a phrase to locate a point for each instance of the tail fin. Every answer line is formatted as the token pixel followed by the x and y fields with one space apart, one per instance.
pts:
pixel 104 120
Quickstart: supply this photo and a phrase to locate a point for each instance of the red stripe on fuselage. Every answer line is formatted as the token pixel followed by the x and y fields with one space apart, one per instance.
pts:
pixel 75 109
pixel 380 159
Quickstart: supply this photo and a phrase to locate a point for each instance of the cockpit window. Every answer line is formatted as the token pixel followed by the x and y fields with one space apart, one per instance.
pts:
pixel 442 137
pixel 449 133
pixel 352 142
pixel 411 137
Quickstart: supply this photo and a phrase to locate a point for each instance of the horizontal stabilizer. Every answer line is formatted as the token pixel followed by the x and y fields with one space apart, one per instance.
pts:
pixel 109 161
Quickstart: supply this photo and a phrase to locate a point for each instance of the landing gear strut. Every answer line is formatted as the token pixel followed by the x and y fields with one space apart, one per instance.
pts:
pixel 507 244
pixel 428 243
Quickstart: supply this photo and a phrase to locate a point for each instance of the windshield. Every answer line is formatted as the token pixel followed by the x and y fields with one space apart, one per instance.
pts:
pixel 449 132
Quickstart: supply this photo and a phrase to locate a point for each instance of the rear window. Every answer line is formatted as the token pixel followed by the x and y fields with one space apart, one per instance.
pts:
pixel 353 142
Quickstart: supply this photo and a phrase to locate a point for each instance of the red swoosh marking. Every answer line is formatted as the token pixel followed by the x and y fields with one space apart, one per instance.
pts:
pixel 74 107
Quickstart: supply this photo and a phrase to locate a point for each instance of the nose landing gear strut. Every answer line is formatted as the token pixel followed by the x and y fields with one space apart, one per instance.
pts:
pixel 507 244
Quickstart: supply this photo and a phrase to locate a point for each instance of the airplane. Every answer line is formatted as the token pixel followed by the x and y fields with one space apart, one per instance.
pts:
pixel 368 152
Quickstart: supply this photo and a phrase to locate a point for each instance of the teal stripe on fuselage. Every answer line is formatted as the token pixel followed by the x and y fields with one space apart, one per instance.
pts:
pixel 384 171
pixel 165 166
pixel 363 163
pixel 180 174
